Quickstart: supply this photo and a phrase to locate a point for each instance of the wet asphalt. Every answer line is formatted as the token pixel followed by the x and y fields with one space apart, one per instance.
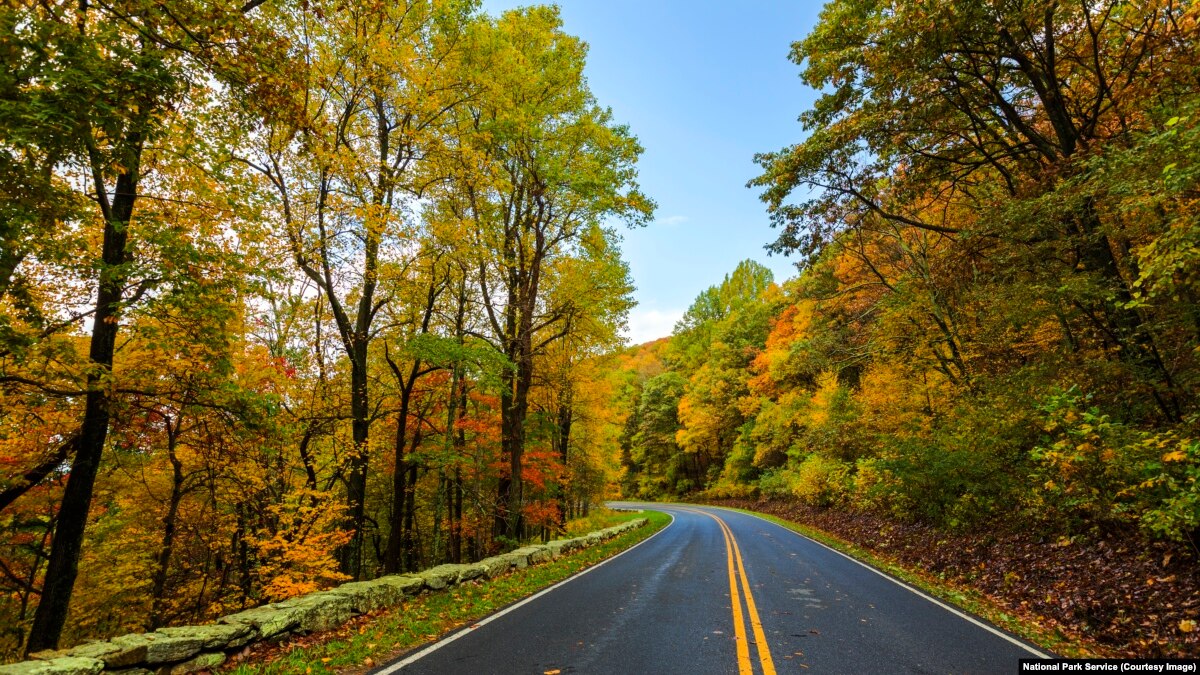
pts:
pixel 664 607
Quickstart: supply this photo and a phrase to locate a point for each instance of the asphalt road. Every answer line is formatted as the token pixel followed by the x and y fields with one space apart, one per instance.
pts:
pixel 723 592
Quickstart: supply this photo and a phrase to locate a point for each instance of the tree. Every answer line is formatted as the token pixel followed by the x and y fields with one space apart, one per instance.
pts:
pixel 357 142
pixel 101 87
pixel 664 468
pixel 943 108
pixel 541 166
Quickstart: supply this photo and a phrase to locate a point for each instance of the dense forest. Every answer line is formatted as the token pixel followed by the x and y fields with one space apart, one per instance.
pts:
pixel 997 316
pixel 292 293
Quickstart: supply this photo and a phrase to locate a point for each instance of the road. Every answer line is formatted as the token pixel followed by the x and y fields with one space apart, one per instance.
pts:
pixel 719 591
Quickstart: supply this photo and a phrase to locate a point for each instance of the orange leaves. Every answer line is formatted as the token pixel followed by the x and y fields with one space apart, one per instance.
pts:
pixel 543 514
pixel 483 429
pixel 298 556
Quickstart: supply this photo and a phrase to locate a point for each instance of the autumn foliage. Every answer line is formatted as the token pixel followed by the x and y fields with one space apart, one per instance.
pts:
pixel 291 294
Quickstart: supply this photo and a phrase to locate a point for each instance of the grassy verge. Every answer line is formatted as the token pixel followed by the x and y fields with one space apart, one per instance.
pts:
pixel 965 598
pixel 597 519
pixel 374 639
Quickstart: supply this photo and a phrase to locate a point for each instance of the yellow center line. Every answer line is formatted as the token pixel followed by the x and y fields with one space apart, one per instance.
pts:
pixel 760 638
pixel 745 667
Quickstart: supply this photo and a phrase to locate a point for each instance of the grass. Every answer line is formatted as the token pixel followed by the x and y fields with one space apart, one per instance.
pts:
pixel 372 640
pixel 962 597
pixel 597 519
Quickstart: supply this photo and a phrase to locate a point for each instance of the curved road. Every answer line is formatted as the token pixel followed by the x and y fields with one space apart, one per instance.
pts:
pixel 719 591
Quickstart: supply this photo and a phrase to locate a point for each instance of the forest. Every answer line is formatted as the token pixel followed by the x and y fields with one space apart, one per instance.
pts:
pixel 291 294
pixel 996 325
pixel 298 293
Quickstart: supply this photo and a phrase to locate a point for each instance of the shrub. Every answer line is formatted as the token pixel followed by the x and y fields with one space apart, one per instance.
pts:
pixel 1172 491
pixel 776 483
pixel 1087 467
pixel 821 481
pixel 730 491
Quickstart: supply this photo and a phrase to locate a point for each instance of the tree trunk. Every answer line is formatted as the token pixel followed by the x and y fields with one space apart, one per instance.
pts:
pixel 563 441
pixel 1136 342
pixel 411 552
pixel 63 567
pixel 159 580
pixel 394 557
pixel 456 516
pixel 356 479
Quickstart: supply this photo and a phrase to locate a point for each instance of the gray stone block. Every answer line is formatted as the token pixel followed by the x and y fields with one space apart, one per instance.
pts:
pixel 63 665
pixel 438 578
pixel 559 547
pixel 268 621
pixel 533 554
pixel 94 650
pixel 320 611
pixel 154 648
pixel 369 596
pixel 495 565
pixel 410 584
pixel 204 661
pixel 481 571
pixel 456 574
pixel 215 636
pixel 516 559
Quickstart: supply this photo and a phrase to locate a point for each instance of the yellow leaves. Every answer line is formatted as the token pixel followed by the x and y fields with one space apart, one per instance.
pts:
pixel 1174 456
pixel 1187 625
pixel 822 400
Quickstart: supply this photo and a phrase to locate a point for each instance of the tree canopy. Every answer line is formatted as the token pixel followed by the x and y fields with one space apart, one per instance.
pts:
pixel 293 293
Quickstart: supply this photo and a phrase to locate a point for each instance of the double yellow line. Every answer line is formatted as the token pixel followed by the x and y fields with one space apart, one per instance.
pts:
pixel 738 572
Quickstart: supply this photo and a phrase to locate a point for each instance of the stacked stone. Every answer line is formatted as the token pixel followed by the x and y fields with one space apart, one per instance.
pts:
pixel 188 649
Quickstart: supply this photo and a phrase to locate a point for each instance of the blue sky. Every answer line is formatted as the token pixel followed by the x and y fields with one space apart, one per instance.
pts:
pixel 704 86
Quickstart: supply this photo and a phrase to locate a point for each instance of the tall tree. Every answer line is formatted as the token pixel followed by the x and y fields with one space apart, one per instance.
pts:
pixel 120 75
pixel 542 165
pixel 988 107
pixel 354 148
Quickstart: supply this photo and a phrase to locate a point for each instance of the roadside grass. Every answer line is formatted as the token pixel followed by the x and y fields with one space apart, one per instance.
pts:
pixel 964 598
pixel 374 639
pixel 597 519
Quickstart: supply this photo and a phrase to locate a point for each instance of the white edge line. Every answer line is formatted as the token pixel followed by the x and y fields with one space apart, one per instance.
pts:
pixel 388 670
pixel 953 610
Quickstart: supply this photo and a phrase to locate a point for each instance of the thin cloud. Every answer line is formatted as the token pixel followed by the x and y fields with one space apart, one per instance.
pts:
pixel 646 325
pixel 671 221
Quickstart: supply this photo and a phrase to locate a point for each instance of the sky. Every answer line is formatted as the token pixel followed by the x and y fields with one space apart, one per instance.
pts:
pixel 704 86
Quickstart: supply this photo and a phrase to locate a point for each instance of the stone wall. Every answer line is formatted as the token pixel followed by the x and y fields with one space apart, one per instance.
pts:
pixel 188 649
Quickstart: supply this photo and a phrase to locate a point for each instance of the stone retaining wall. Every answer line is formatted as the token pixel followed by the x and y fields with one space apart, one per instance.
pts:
pixel 188 649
